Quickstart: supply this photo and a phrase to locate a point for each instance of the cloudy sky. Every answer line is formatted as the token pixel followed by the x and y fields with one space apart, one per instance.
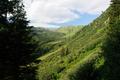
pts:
pixel 55 13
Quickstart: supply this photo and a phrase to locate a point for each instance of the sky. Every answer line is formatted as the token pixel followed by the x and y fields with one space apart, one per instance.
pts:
pixel 56 13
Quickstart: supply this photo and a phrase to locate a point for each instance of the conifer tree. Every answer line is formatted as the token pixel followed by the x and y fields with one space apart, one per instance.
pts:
pixel 16 45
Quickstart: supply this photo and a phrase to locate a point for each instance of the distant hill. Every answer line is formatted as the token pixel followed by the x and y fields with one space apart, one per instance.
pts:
pixel 46 35
pixel 49 39
pixel 69 30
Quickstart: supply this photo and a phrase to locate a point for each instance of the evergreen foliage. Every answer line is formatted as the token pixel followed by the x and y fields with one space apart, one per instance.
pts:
pixel 111 47
pixel 16 44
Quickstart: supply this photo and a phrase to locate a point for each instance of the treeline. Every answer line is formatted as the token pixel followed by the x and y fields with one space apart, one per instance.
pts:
pixel 17 46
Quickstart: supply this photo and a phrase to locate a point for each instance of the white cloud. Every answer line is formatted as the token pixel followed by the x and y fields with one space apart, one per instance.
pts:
pixel 43 12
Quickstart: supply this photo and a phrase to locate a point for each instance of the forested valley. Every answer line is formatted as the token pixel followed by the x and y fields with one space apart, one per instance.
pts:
pixel 82 52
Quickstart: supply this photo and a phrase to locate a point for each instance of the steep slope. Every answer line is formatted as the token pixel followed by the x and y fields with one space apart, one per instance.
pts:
pixel 79 58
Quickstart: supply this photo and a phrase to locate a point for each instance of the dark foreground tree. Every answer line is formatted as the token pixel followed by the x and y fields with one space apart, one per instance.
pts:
pixel 111 47
pixel 16 43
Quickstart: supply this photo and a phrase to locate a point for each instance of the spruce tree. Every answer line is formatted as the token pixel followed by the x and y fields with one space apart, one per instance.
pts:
pixel 16 45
